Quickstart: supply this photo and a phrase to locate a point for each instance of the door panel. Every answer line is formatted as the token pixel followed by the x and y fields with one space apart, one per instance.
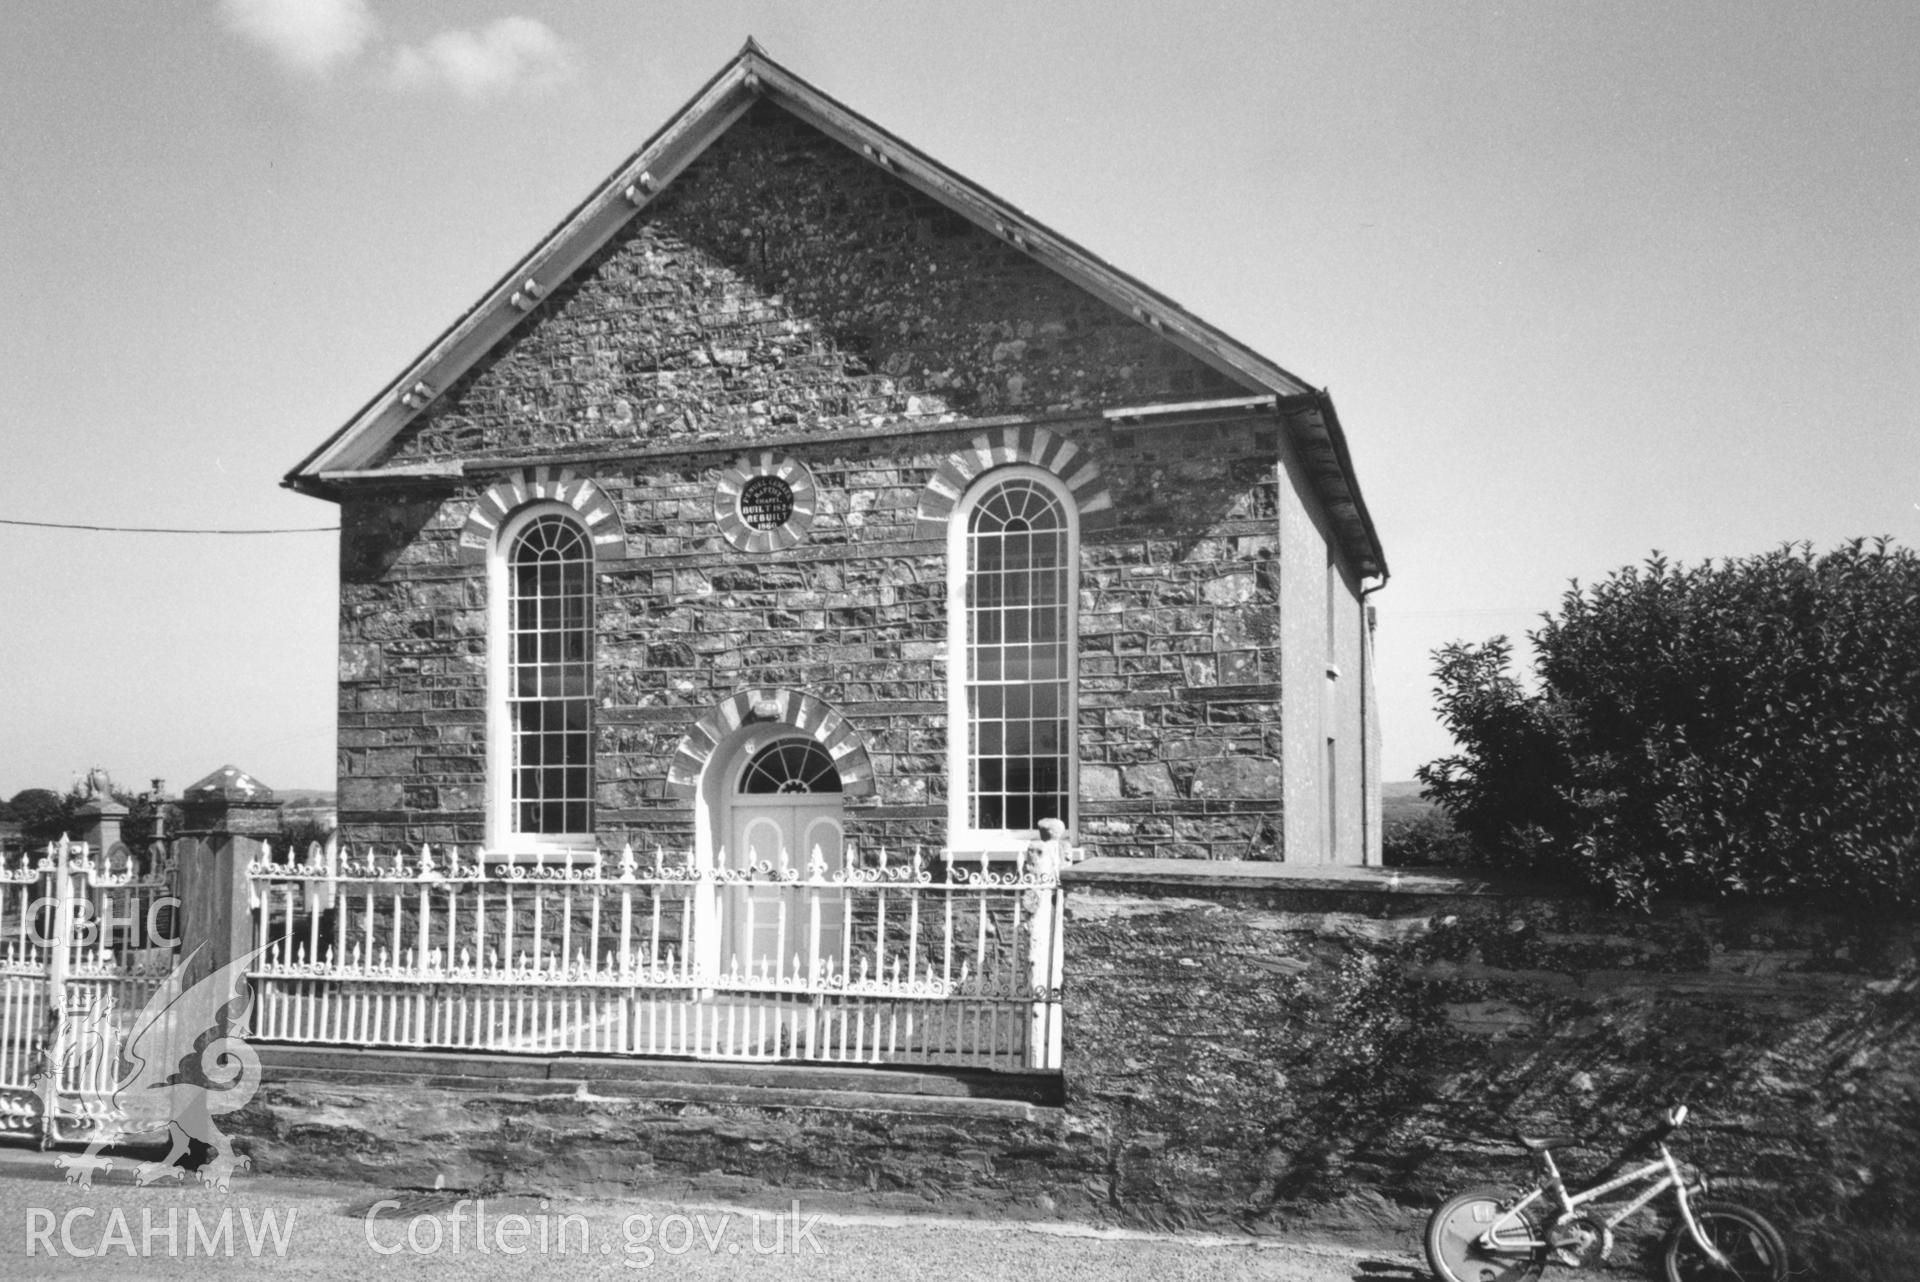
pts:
pixel 769 927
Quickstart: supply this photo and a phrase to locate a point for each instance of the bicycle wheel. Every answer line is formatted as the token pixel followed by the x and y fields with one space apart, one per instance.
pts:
pixel 1754 1249
pixel 1456 1253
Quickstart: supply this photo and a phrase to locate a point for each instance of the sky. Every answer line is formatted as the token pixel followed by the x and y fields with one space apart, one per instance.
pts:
pixel 1586 281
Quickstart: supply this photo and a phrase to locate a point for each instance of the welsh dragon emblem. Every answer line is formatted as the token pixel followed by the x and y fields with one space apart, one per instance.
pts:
pixel 167 1084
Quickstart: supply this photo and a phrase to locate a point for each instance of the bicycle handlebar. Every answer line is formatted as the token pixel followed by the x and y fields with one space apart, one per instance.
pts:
pixel 1663 1130
pixel 1656 1135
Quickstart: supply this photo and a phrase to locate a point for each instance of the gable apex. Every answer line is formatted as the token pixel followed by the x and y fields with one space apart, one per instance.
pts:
pixel 748 78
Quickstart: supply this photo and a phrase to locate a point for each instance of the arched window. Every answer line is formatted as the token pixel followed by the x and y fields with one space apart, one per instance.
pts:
pixel 544 676
pixel 1014 551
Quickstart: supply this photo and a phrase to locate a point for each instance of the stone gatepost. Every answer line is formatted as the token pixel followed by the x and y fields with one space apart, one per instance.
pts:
pixel 226 819
pixel 99 820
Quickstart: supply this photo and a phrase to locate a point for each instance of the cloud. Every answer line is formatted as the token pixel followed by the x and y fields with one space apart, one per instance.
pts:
pixel 311 36
pixel 507 54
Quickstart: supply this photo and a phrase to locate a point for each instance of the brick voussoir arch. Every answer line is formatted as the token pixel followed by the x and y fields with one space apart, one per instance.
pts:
pixel 531 485
pixel 813 717
pixel 1032 445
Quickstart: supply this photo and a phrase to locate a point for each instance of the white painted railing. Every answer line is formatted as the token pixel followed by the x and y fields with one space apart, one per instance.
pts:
pixel 624 955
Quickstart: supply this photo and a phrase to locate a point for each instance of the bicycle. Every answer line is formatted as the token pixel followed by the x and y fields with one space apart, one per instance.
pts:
pixel 1486 1235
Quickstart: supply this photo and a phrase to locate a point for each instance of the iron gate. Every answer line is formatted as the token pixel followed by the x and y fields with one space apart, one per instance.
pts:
pixel 85 939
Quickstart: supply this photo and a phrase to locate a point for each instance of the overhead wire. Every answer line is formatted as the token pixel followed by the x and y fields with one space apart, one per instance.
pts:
pixel 164 529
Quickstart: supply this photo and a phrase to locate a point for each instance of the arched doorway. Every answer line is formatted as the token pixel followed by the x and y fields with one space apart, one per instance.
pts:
pixel 784 812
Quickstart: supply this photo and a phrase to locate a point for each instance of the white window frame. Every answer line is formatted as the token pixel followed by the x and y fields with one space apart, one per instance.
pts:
pixel 963 839
pixel 501 836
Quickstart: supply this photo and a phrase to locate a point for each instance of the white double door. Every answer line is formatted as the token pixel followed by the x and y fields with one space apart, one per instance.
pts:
pixel 783 930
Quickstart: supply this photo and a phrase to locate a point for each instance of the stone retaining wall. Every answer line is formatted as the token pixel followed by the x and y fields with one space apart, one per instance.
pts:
pixel 1255 1046
pixel 1261 1045
pixel 581 1127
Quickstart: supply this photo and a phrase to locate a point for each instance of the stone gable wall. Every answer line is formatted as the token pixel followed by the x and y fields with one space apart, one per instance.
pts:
pixel 1178 710
pixel 781 284
pixel 784 293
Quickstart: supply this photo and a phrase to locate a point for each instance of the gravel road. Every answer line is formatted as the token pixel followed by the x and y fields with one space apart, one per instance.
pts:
pixel 284 1228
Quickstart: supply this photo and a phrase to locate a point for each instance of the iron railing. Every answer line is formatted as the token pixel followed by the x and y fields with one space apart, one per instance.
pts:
pixel 883 961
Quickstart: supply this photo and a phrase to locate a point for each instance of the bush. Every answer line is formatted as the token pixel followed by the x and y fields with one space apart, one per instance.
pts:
pixel 299 831
pixel 1423 841
pixel 1744 728
pixel 42 813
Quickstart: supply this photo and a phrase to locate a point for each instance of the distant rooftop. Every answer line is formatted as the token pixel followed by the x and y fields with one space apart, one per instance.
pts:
pixel 228 783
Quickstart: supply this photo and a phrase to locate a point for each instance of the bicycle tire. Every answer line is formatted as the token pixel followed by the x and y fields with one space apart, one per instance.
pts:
pixel 1455 1254
pixel 1754 1248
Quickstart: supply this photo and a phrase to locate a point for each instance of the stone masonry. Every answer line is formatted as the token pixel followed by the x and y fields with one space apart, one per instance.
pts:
pixel 1177 649
pixel 783 293
pixel 784 284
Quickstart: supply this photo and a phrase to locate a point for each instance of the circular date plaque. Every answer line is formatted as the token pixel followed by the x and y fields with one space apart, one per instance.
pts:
pixel 765 502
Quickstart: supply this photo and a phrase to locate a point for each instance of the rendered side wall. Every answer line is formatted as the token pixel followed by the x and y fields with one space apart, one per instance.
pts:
pixel 1374 741
pixel 1326 687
